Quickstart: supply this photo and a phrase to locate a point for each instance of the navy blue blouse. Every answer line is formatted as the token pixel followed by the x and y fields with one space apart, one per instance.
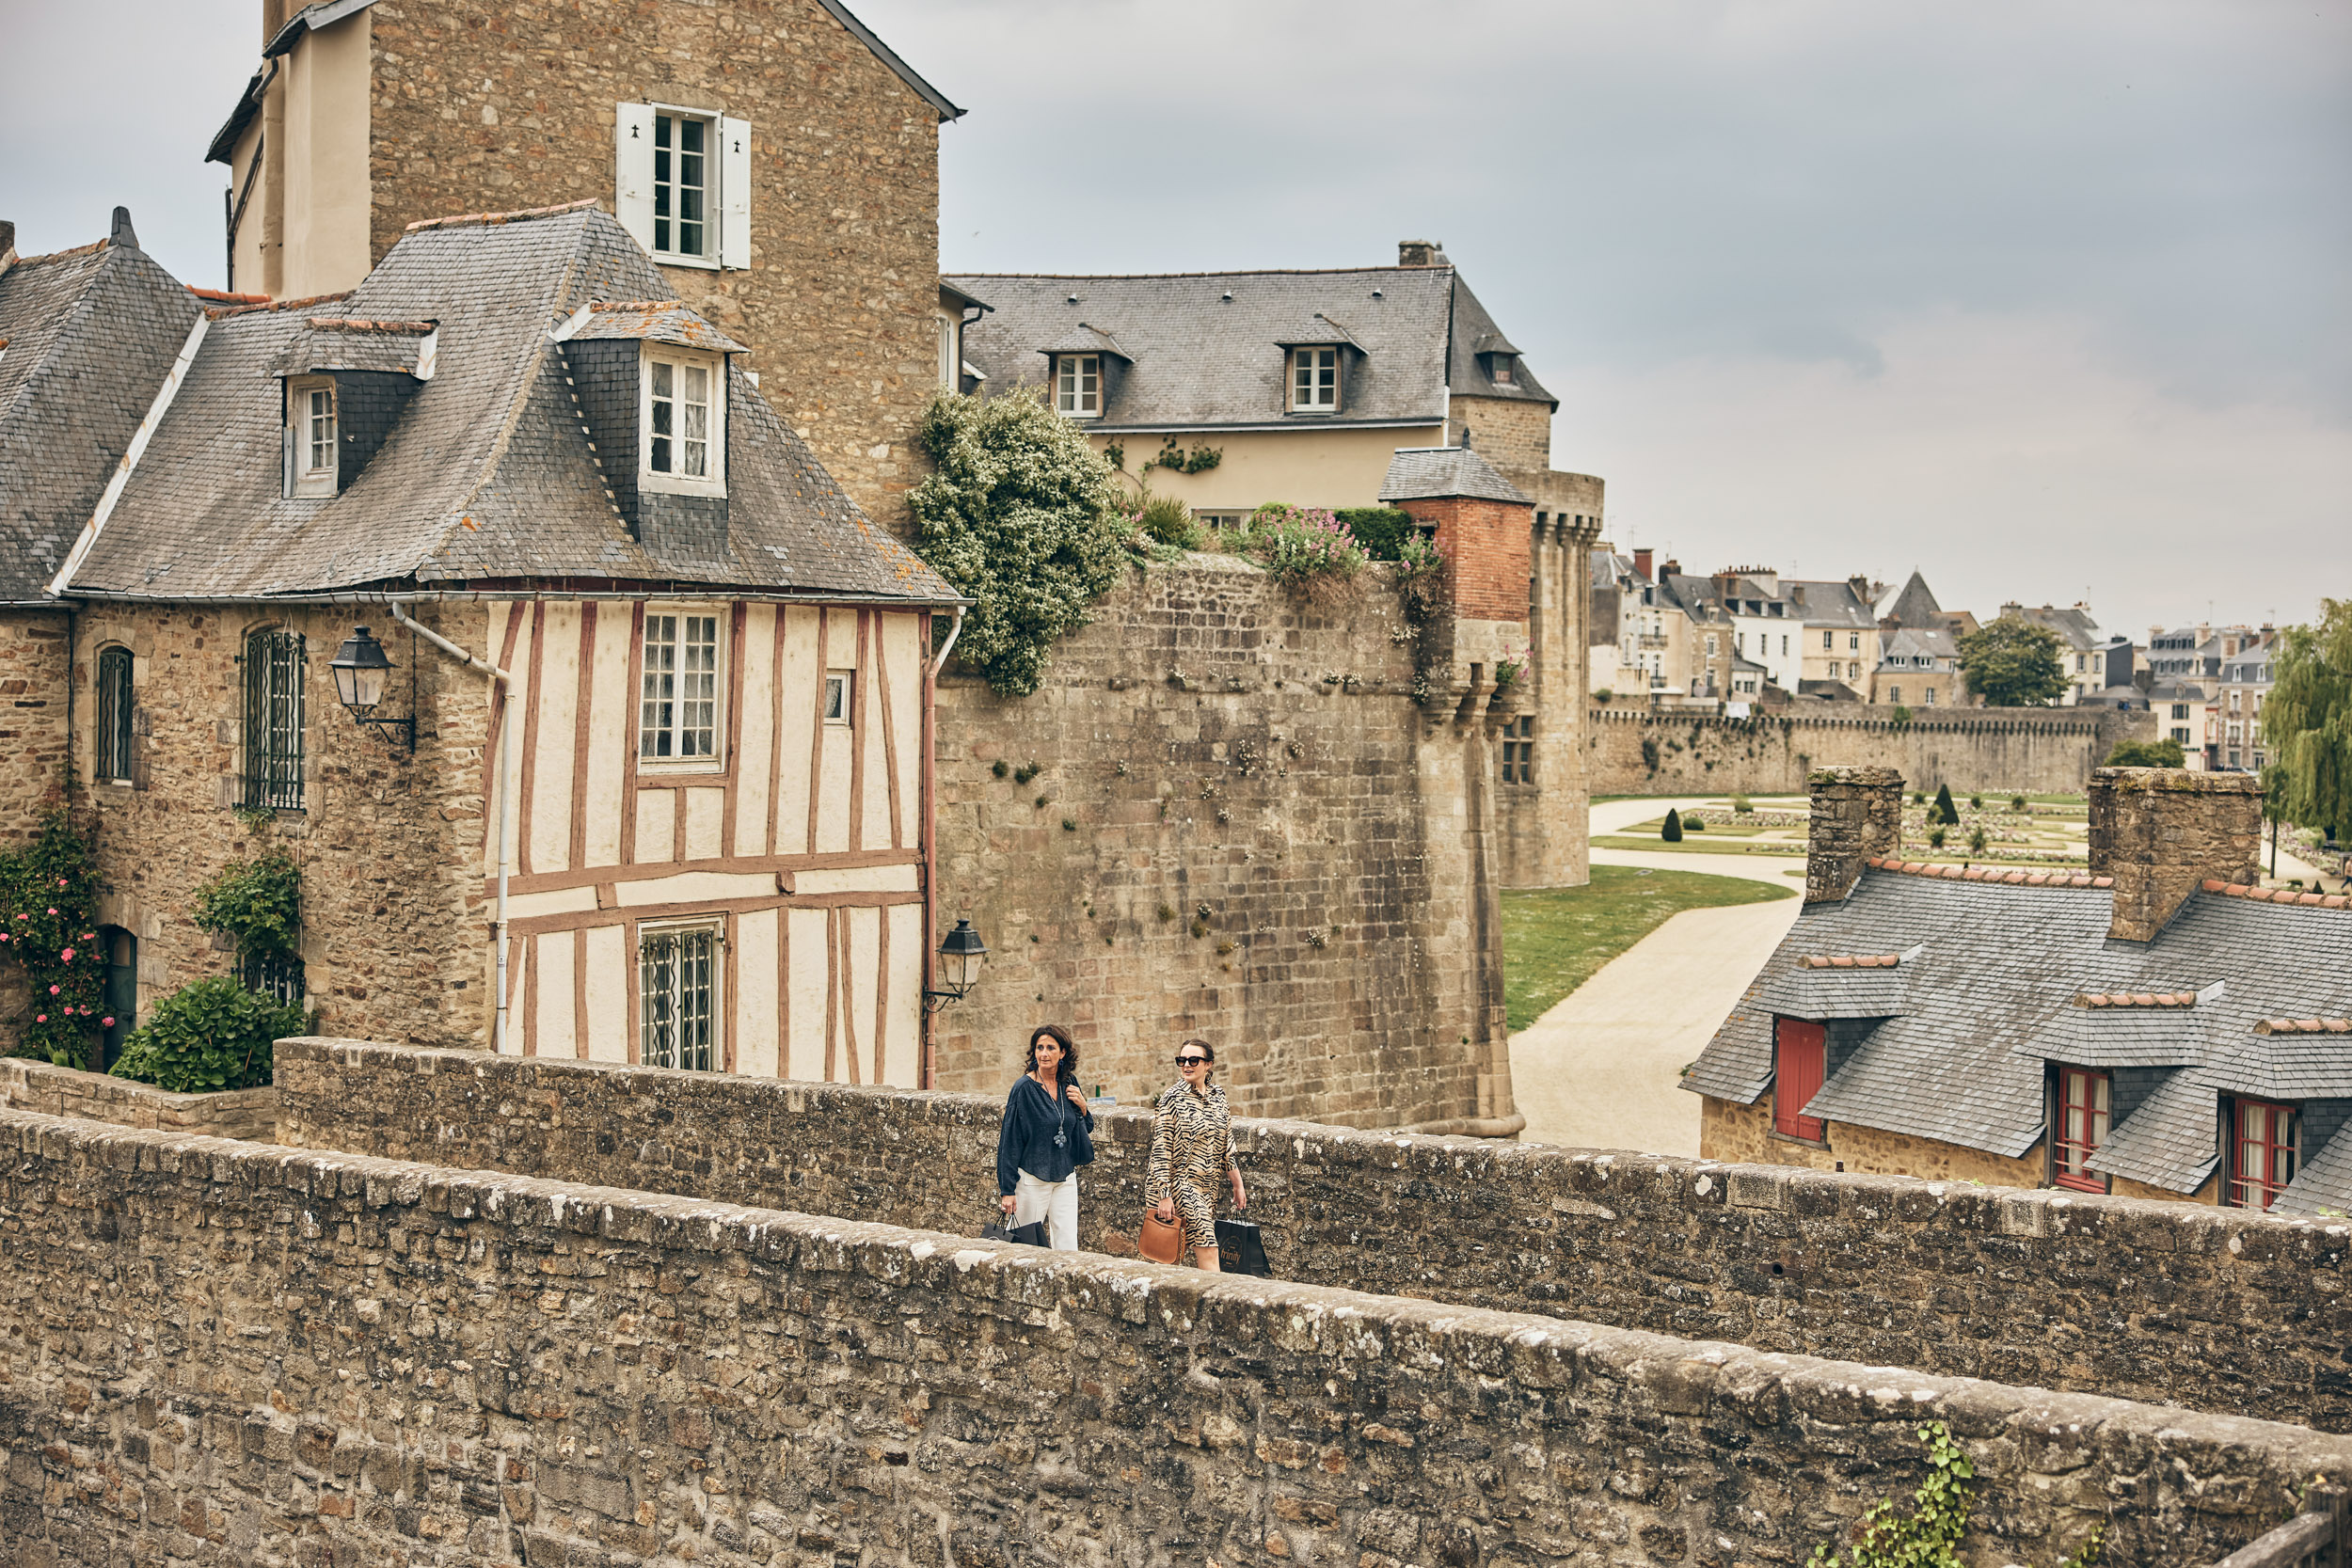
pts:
pixel 1029 1140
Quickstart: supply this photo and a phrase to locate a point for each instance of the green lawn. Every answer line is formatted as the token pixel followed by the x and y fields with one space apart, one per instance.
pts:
pixel 1708 843
pixel 1555 939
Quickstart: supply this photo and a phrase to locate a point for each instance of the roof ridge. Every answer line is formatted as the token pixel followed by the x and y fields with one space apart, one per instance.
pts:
pixel 2011 878
pixel 59 255
pixel 362 324
pixel 2135 999
pixel 469 220
pixel 2277 894
pixel 2304 1026
pixel 222 297
pixel 223 312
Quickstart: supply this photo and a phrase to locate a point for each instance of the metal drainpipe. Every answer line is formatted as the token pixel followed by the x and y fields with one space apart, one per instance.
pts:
pixel 506 793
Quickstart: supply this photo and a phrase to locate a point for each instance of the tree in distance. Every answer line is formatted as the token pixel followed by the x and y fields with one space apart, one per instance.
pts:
pixel 2147 753
pixel 2014 663
pixel 1944 810
pixel 2306 723
pixel 1672 831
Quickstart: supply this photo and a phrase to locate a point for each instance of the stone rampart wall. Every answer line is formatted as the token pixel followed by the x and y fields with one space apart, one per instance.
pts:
pixel 64 1091
pixel 2216 1309
pixel 1239 824
pixel 1636 750
pixel 219 1353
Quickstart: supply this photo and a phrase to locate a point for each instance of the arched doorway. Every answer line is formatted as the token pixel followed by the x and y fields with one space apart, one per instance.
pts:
pixel 122 991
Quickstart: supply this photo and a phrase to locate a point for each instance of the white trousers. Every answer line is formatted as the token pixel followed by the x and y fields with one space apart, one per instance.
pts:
pixel 1054 1202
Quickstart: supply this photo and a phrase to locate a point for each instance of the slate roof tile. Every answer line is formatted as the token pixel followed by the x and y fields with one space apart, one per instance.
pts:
pixel 1430 473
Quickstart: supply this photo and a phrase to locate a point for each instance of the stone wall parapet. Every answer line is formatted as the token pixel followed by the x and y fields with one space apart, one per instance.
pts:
pixel 744 1381
pixel 63 1091
pixel 2222 1310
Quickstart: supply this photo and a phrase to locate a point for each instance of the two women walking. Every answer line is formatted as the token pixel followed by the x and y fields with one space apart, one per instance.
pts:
pixel 1048 1132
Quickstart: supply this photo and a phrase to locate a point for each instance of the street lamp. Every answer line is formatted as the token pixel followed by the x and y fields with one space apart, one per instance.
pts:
pixel 359 667
pixel 960 954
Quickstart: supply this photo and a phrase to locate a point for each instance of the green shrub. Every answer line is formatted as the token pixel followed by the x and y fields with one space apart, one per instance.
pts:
pixel 1742 804
pixel 1165 520
pixel 1022 516
pixel 2148 753
pixel 210 1034
pixel 1421 580
pixel 1672 831
pixel 1602 695
pixel 1935 837
pixel 1903 715
pixel 48 924
pixel 1694 823
pixel 2017 803
pixel 1945 810
pixel 257 903
pixel 1976 840
pixel 1305 549
pixel 1976 803
pixel 1382 530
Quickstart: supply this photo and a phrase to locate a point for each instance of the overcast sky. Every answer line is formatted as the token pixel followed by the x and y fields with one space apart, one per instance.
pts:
pixel 2051 301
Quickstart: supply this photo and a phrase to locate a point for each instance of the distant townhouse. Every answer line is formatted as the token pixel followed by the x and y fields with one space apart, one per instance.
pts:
pixel 493 592
pixel 2184 710
pixel 1917 667
pixel 2156 1026
pixel 2081 646
pixel 2244 687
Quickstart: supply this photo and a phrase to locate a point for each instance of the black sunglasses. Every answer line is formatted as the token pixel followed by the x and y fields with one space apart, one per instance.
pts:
pixel 1191 1061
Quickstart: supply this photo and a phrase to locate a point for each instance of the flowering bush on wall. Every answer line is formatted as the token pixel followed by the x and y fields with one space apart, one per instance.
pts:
pixel 1302 546
pixel 48 891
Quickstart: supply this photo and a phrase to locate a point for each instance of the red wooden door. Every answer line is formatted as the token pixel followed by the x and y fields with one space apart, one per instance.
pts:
pixel 1799 1049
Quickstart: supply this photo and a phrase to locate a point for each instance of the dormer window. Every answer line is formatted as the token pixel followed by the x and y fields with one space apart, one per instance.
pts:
pixel 310 429
pixel 1315 380
pixel 1503 373
pixel 685 422
pixel 1078 385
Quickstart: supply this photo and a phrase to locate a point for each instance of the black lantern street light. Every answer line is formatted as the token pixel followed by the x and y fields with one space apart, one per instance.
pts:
pixel 961 952
pixel 359 667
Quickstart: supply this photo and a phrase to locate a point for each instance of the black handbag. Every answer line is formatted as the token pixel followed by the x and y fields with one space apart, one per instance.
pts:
pixel 1031 1234
pixel 1240 1248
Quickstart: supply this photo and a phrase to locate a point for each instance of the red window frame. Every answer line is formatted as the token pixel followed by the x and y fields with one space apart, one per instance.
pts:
pixel 2264 1139
pixel 2085 1104
pixel 1800 1057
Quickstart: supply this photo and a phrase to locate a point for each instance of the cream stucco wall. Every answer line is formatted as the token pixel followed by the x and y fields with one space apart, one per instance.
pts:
pixel 801 840
pixel 304 229
pixel 1307 466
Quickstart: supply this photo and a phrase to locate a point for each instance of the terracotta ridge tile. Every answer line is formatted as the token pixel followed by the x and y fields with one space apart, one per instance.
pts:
pixel 221 297
pixel 224 312
pixel 59 255
pixel 464 220
pixel 637 304
pixel 357 323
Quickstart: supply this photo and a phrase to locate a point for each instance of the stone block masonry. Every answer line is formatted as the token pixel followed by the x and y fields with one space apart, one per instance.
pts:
pixel 33 649
pixel 219 1353
pixel 1636 750
pixel 59 1091
pixel 2216 1309
pixel 1241 824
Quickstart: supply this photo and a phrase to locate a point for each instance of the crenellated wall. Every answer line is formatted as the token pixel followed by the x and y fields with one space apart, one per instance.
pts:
pixel 1636 750
pixel 219 1353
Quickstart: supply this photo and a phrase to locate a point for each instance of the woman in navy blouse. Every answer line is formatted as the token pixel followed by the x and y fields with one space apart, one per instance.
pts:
pixel 1048 1134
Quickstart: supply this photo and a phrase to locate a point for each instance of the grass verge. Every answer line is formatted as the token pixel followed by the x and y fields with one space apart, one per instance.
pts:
pixel 1708 843
pixel 1555 939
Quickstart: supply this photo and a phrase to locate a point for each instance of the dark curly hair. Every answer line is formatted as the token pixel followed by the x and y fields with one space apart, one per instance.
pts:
pixel 1067 1072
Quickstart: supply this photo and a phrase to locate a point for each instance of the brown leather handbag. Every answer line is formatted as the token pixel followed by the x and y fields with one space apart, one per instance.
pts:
pixel 1159 1242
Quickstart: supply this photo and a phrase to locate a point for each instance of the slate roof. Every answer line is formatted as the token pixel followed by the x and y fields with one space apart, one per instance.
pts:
pixel 1824 986
pixel 340 343
pixel 1828 604
pixel 1206 350
pixel 488 475
pixel 1912 643
pixel 1431 473
pixel 1911 605
pixel 2084 1035
pixel 91 334
pixel 655 321
pixel 2004 962
pixel 2075 625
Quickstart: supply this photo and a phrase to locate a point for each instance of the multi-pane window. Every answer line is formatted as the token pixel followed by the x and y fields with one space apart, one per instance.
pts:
pixel 1894 693
pixel 837 695
pixel 678 701
pixel 1315 380
pixel 1078 384
pixel 2262 1152
pixel 1799 1057
pixel 2179 732
pixel 1853 641
pixel 677 995
pixel 114 716
pixel 1930 696
pixel 1829 641
pixel 1519 750
pixel 2081 1128
pixel 2180 711
pixel 681 186
pixel 273 667
pixel 679 421
pixel 310 421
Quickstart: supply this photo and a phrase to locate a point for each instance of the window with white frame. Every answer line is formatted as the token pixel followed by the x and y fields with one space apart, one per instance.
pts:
pixel 838 693
pixel 951 372
pixel 678 697
pixel 1078 385
pixel 1314 381
pixel 1930 696
pixel 1829 641
pixel 678 990
pixel 681 184
pixel 685 423
pixel 310 428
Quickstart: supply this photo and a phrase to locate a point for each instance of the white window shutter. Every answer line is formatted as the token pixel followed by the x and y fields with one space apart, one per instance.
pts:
pixel 735 193
pixel 632 170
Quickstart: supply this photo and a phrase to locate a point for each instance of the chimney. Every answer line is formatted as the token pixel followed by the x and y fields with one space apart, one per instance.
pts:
pixel 122 234
pixel 2160 831
pixel 1857 815
pixel 1421 253
pixel 7 244
pixel 1642 559
pixel 1672 568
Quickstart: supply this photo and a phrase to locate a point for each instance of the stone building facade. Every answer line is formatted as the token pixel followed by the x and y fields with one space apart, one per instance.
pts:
pixel 367 116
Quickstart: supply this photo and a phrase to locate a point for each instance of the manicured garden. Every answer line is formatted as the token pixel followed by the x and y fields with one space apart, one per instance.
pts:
pixel 1555 939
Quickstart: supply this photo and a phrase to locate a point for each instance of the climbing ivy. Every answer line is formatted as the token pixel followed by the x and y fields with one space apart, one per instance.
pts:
pixel 257 903
pixel 48 891
pixel 1931 1536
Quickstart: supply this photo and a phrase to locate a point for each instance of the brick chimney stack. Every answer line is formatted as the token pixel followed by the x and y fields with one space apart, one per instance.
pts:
pixel 1421 253
pixel 1641 564
pixel 1857 815
pixel 2160 831
pixel 7 244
